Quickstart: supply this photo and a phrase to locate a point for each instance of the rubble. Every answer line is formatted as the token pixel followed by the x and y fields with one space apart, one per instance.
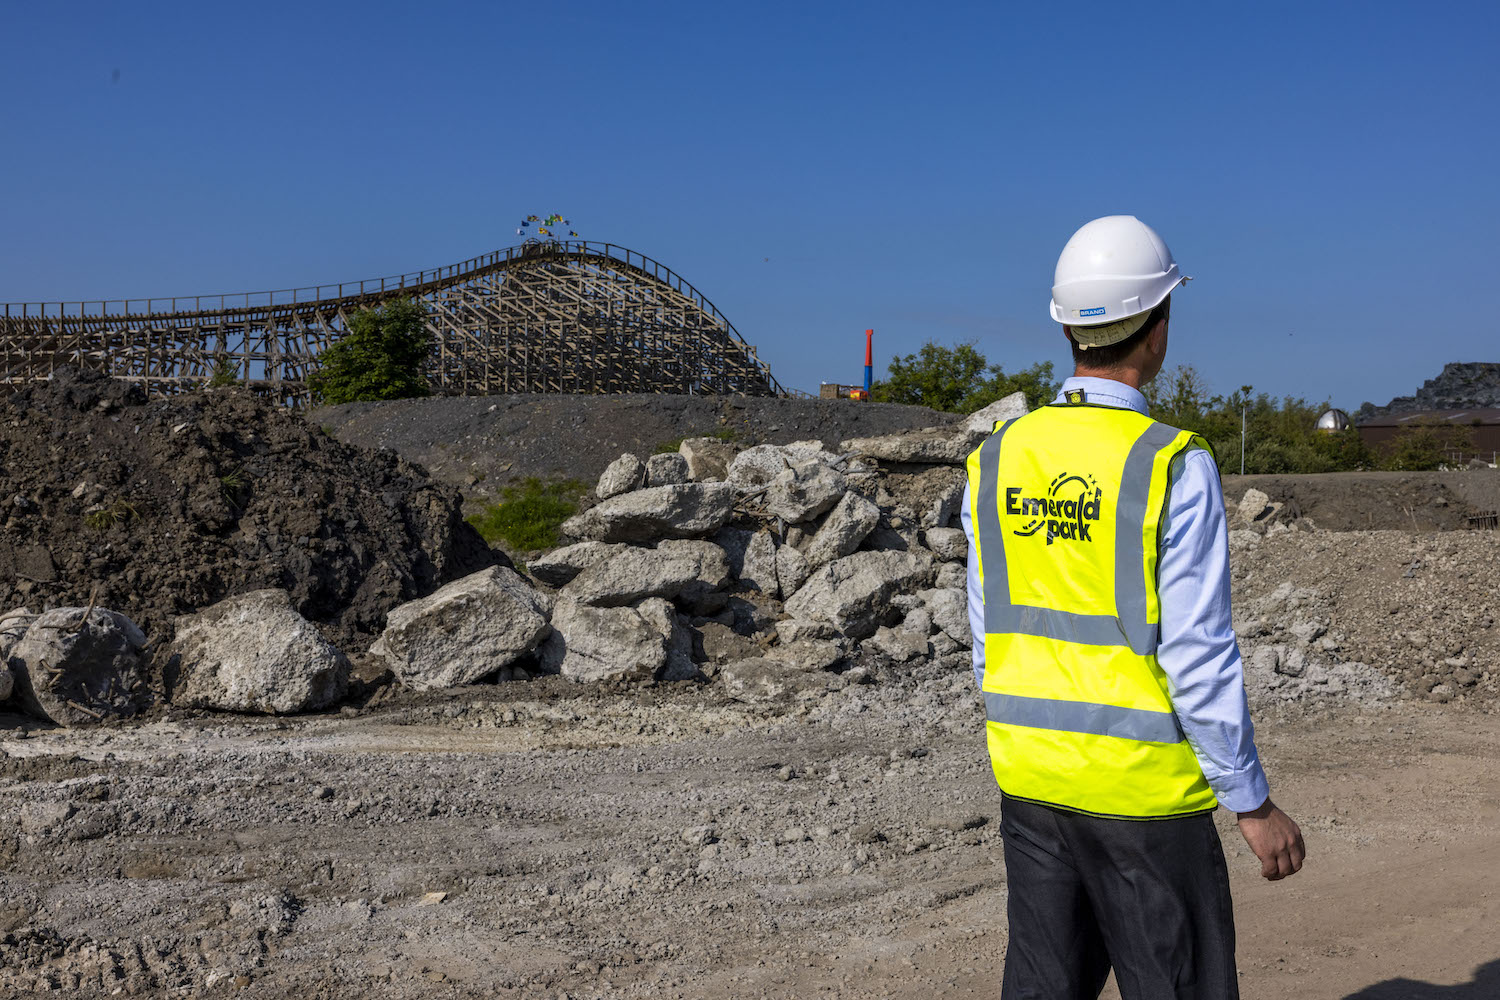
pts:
pixel 624 474
pixel 674 568
pixel 707 458
pixel 254 653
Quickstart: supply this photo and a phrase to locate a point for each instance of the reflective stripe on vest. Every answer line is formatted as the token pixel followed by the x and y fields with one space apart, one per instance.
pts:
pixel 1120 752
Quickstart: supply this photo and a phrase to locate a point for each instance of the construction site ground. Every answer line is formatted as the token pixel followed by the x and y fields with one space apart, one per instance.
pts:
pixel 550 839
pixel 535 840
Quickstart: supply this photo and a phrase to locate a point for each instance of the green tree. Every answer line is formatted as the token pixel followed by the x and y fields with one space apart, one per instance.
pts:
pixel 960 379
pixel 225 371
pixel 381 356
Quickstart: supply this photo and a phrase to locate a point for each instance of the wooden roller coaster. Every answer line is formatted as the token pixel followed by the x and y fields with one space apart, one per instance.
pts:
pixel 544 317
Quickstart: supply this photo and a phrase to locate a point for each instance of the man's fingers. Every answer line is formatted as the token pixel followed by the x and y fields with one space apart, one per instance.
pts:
pixel 1299 854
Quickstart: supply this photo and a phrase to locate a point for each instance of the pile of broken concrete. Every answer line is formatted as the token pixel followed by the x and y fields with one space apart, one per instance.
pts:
pixel 774 570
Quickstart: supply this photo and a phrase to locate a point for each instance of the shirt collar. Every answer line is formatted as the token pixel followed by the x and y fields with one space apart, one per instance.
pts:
pixel 1105 391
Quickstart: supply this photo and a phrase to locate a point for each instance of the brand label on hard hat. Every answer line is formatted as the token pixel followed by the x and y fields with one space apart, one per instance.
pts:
pixel 1096 311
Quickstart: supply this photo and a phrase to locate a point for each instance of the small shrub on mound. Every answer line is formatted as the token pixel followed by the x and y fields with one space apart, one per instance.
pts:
pixel 528 516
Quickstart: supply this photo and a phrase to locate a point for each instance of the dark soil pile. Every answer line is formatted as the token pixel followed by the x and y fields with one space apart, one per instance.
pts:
pixel 170 505
pixel 483 442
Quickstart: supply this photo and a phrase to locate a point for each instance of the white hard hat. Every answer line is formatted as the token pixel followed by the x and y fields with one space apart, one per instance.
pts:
pixel 1112 273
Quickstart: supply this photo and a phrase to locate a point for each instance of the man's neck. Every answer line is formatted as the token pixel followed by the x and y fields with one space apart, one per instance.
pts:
pixel 1129 376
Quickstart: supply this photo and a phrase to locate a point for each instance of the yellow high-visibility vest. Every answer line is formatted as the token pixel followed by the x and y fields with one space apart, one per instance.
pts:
pixel 1066 506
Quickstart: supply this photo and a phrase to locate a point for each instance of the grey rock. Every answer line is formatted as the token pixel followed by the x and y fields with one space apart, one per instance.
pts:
pixel 806 655
pixel 757 466
pixel 559 566
pixel 949 608
pixel 707 458
pixel 948 544
pixel 464 631
pixel 898 644
pixel 918 620
pixel 928 446
pixel 722 644
pixel 679 665
pixel 981 423
pixel 666 470
pixel 1264 661
pixel 594 644
pixel 945 509
pixel 803 492
pixel 763 679
pixel 7 684
pixel 1293 662
pixel 673 568
pixel 759 567
pixel 1308 631
pixel 793 630
pixel 842 531
pixel 884 539
pixel 734 542
pixel 791 570
pixel 853 593
pixel 623 475
pixel 78 669
pixel 1253 505
pixel 254 653
pixel 691 510
pixel 951 575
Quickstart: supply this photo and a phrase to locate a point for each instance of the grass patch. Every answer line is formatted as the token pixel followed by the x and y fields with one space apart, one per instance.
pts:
pixel 116 512
pixel 726 434
pixel 528 516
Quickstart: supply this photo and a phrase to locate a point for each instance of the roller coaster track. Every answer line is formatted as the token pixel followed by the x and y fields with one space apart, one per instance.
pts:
pixel 542 317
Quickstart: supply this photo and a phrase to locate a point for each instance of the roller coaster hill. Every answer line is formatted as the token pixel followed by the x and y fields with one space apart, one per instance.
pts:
pixel 545 317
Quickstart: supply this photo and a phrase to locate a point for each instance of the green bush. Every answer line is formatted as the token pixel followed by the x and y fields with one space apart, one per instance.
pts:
pixel 528 516
pixel 1424 445
pixel 960 380
pixel 381 357
pixel 225 372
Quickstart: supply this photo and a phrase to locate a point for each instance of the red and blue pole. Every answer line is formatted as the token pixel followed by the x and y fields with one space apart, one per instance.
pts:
pixel 869 359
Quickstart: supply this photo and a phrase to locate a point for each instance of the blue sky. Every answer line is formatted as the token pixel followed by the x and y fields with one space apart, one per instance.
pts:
pixel 1327 171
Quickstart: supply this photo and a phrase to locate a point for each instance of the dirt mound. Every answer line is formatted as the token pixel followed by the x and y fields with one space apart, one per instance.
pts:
pixel 1379 501
pixel 170 505
pixel 497 439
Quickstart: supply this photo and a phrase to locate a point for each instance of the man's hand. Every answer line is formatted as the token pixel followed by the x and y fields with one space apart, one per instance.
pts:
pixel 1275 839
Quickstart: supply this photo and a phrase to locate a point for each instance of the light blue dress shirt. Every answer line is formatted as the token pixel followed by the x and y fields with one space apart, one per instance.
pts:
pixel 1197 649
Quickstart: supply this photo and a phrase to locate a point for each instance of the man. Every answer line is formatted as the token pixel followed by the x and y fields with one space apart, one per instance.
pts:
pixel 1113 687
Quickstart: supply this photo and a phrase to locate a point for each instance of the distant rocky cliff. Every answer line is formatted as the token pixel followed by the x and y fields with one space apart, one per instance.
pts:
pixel 1461 386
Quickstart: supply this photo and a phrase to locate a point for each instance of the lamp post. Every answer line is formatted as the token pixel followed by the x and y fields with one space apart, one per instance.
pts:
pixel 1244 398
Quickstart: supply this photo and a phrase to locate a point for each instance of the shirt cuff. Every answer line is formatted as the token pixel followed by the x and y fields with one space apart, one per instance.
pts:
pixel 1243 790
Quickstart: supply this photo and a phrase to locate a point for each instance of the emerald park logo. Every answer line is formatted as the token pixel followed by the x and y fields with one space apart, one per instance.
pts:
pixel 1062 513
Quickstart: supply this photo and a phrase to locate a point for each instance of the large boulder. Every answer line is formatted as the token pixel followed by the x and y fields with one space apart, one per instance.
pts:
pixel 804 491
pixel 254 653
pixel 707 458
pixel 853 594
pixel 623 475
pixel 464 631
pixel 690 510
pixel 559 566
pixel 981 423
pixel 668 469
pixel 673 568
pixel 842 531
pixel 596 644
pixel 13 625
pixel 78 666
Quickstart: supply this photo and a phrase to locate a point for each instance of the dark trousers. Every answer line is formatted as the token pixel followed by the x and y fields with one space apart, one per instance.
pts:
pixel 1149 898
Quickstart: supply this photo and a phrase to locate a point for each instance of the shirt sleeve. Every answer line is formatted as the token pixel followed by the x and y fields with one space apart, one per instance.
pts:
pixel 1198 651
pixel 976 594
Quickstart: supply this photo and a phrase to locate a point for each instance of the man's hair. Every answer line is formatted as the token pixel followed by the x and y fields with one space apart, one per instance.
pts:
pixel 1114 355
